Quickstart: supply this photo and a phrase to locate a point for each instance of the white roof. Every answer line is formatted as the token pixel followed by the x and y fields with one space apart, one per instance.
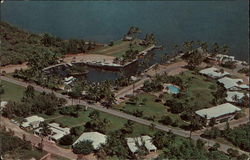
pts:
pixel 57 131
pixel 213 72
pixel 66 79
pixel 217 111
pixel 229 82
pixel 96 137
pixel 131 142
pixel 4 103
pixel 231 95
pixel 30 120
pixel 243 86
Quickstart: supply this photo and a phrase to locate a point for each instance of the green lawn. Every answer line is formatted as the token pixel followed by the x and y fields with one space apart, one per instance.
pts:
pixel 12 91
pixel 118 49
pixel 199 91
pixel 116 122
pixel 150 109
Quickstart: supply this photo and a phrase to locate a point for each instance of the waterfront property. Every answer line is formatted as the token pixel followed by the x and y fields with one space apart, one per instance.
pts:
pixel 221 113
pixel 96 138
pixel 31 122
pixel 213 72
pixel 143 141
pixel 57 131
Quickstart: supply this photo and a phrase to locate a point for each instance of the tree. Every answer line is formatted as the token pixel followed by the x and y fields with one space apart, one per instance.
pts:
pixel 83 147
pixel 194 59
pixel 45 130
pixel 29 92
pixel 76 131
pixel 94 114
pixel 167 120
pixel 66 140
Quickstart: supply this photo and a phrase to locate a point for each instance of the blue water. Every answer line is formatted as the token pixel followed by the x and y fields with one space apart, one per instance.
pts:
pixel 173 89
pixel 173 22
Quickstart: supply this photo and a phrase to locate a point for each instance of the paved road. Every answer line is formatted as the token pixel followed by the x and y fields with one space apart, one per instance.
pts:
pixel 49 146
pixel 182 133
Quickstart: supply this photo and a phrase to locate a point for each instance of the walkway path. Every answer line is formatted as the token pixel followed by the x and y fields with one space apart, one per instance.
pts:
pixel 179 132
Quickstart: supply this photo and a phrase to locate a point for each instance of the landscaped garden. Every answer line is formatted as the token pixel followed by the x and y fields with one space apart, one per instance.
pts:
pixel 11 91
pixel 177 110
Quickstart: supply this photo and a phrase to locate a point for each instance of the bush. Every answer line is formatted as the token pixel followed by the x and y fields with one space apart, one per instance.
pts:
pixel 166 120
pixel 66 140
pixel 83 147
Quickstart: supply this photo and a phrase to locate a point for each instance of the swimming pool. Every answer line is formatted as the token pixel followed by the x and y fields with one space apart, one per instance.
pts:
pixel 173 89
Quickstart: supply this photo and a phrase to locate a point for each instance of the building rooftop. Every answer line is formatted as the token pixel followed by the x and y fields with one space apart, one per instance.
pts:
pixel 31 120
pixel 217 111
pixel 213 72
pixel 96 137
pixel 230 82
pixel 231 95
pixel 131 142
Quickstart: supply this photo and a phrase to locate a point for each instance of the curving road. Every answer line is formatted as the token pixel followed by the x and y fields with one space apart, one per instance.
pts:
pixel 195 136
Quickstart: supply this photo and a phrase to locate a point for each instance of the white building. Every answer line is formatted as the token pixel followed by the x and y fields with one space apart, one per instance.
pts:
pixel 96 138
pixel 221 113
pixel 3 104
pixel 134 142
pixel 225 58
pixel 232 95
pixel 68 80
pixel 57 131
pixel 231 84
pixel 31 122
pixel 213 72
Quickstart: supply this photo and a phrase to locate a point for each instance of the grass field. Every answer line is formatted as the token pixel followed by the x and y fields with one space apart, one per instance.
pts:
pixel 12 91
pixel 150 108
pixel 118 49
pixel 116 122
pixel 199 90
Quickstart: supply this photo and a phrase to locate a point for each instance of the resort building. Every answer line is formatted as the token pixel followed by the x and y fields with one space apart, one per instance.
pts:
pixel 232 84
pixel 234 96
pixel 31 122
pixel 96 138
pixel 221 113
pixel 57 131
pixel 143 140
pixel 213 72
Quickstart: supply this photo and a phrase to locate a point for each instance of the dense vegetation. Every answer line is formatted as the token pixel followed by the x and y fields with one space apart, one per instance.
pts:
pixel 32 103
pixel 18 45
pixel 16 148
pixel 239 136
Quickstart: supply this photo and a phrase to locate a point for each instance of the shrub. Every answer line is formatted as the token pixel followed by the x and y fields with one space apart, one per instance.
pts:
pixel 166 120
pixel 66 140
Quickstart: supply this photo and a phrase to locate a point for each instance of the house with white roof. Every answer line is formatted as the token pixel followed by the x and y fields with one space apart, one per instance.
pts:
pixel 225 58
pixel 213 72
pixel 232 84
pixel 3 104
pixel 57 131
pixel 234 96
pixel 31 122
pixel 143 140
pixel 221 113
pixel 96 138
